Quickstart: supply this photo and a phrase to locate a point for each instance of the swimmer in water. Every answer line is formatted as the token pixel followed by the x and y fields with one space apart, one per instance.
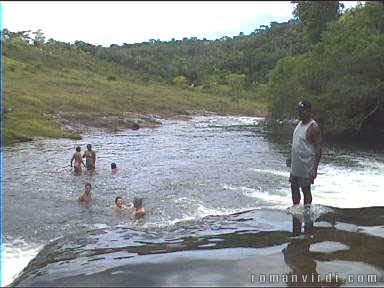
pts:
pixel 139 209
pixel 119 204
pixel 113 168
pixel 86 196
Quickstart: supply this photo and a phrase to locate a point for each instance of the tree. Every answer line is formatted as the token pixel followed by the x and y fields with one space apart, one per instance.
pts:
pixel 342 75
pixel 315 15
pixel 39 39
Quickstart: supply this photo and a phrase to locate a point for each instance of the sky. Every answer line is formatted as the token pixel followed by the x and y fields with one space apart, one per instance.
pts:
pixel 117 22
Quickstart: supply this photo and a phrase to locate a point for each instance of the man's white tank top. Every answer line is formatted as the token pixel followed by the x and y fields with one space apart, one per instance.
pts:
pixel 303 151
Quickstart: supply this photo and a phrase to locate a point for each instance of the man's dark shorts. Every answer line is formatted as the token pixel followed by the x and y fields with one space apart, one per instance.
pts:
pixel 300 181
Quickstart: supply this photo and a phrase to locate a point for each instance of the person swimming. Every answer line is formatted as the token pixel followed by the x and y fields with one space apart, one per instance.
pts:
pixel 119 204
pixel 139 209
pixel 113 168
pixel 86 196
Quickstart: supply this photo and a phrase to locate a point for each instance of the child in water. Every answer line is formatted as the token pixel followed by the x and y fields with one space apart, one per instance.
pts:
pixel 78 161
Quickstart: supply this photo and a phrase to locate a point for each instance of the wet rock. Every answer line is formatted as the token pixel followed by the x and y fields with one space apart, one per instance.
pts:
pixel 199 255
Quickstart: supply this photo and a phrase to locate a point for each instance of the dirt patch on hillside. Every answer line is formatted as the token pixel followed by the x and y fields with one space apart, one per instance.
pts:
pixel 82 122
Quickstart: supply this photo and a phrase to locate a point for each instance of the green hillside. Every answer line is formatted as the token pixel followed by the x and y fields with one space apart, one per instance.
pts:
pixel 38 86
pixel 332 57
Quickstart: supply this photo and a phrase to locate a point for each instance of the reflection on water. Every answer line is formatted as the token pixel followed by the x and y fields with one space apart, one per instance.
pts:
pixel 298 257
pixel 232 247
pixel 185 171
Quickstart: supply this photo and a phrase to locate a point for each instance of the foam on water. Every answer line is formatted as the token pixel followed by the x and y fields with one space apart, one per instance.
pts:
pixel 224 121
pixel 16 255
pixel 314 211
pixel 280 173
pixel 278 199
pixel 336 185
pixel 350 187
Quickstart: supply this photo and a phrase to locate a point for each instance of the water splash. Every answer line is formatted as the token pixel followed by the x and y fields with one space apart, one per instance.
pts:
pixel 16 254
pixel 310 212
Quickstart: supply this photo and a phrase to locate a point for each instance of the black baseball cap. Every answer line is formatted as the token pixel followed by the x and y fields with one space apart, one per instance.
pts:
pixel 304 104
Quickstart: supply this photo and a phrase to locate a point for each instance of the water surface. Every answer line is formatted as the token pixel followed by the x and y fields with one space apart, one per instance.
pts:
pixel 184 170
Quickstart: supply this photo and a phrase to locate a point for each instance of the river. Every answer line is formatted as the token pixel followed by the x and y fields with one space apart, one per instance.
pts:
pixel 184 170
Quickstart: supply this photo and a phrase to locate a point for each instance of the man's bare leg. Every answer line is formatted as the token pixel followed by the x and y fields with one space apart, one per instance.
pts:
pixel 295 189
pixel 307 195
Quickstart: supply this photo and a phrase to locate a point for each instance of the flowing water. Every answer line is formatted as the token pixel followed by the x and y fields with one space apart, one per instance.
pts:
pixel 184 171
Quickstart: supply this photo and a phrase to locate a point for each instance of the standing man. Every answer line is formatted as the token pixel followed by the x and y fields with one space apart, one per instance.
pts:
pixel 305 154
pixel 90 158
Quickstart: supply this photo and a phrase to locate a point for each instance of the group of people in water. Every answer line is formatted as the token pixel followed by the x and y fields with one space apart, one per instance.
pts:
pixel 303 162
pixel 90 159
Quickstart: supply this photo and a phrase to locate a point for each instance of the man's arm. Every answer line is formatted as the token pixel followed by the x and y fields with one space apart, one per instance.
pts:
pixel 315 134
pixel 316 138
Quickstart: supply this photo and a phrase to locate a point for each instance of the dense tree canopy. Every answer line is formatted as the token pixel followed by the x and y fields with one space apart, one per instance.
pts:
pixel 208 63
pixel 315 15
pixel 343 74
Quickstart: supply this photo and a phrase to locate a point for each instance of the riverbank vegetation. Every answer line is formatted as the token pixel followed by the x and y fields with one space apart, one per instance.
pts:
pixel 342 74
pixel 332 57
pixel 40 84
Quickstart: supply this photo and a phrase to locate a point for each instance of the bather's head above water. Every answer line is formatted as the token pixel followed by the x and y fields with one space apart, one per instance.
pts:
pixel 87 188
pixel 137 203
pixel 113 168
pixel 119 201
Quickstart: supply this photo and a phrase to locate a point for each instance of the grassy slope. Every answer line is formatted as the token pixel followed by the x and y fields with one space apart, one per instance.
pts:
pixel 35 92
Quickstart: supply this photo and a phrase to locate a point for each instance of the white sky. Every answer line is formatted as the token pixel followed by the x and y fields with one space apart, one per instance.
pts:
pixel 118 22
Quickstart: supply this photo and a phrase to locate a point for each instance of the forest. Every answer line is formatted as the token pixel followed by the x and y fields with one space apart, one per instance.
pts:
pixel 330 56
